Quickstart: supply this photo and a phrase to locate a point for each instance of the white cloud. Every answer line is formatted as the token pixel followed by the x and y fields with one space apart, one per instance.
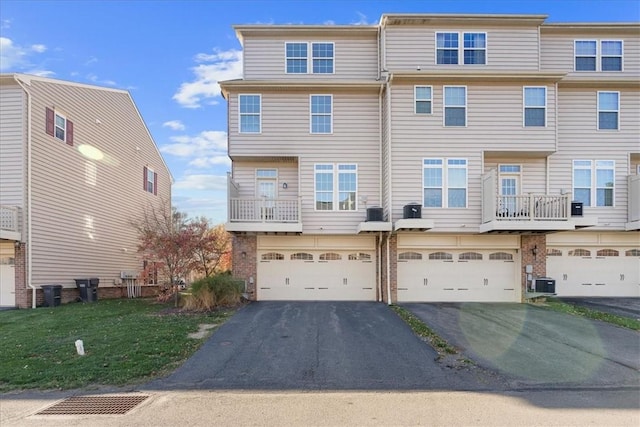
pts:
pixel 363 20
pixel 207 143
pixel 221 65
pixel 202 182
pixel 205 162
pixel 94 79
pixel 5 24
pixel 174 125
pixel 39 48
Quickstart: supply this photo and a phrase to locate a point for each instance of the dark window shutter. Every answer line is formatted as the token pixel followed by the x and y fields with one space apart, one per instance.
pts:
pixel 155 183
pixel 49 121
pixel 69 133
pixel 144 178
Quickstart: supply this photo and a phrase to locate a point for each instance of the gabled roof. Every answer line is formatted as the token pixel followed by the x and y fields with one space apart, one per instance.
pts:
pixel 26 79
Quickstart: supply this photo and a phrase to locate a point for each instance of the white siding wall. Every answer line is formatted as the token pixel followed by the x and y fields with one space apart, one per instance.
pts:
pixel 532 175
pixel 355 57
pixel 285 132
pixel 494 123
pixel 12 143
pixel 557 52
pixel 508 48
pixel 82 208
pixel 244 174
pixel 579 139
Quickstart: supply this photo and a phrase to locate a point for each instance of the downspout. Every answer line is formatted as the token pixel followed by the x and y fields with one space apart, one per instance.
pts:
pixel 388 273
pixel 380 235
pixel 29 256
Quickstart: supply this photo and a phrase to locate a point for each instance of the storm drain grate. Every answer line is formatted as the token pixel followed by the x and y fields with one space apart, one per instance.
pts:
pixel 95 405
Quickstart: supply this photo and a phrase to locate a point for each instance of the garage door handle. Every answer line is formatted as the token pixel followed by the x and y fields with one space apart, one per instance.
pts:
pixel 425 281
pixel 564 277
pixel 622 277
pixel 486 282
pixel 286 281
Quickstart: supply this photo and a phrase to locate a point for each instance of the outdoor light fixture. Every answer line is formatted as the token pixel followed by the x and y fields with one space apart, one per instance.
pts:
pixel 285 185
pixel 243 254
pixel 534 250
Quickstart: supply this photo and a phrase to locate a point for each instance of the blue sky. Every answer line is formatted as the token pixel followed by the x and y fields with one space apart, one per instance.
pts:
pixel 170 55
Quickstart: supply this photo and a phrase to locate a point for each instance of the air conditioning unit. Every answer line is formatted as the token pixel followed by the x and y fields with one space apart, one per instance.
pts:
pixel 375 214
pixel 545 285
pixel 128 275
pixel 412 210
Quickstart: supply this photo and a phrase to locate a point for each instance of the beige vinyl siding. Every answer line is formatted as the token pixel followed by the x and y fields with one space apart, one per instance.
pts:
pixel 355 58
pixel 494 123
pixel 12 146
pixel 557 52
pixel 508 48
pixel 244 174
pixel 82 208
pixel 285 132
pixel 532 172
pixel 578 138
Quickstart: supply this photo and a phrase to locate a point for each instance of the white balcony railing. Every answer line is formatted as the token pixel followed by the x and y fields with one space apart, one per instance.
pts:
pixel 528 207
pixel 264 210
pixel 634 198
pixel 9 216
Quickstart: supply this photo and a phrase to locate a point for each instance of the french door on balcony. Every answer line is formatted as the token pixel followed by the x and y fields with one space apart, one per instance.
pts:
pixel 266 188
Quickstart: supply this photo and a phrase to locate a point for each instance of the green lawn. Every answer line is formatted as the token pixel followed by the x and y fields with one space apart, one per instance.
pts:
pixel 126 341
pixel 576 310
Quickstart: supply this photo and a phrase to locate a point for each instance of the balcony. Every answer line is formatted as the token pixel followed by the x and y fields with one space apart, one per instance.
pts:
pixel 539 213
pixel 10 223
pixel 633 203
pixel 264 215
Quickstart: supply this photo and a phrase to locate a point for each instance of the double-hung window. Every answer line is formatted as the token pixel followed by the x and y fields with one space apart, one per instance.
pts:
pixel 321 108
pixel 611 55
pixel 336 187
pixel 300 54
pixel 473 52
pixel 594 182
pixel 608 110
pixel 250 112
pixel 455 106
pixel 57 126
pixel 535 106
pixel 422 96
pixel 150 182
pixel 588 58
pixel 444 183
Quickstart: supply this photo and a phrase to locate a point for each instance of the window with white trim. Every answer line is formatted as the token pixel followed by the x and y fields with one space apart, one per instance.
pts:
pixel 608 110
pixel 587 57
pixel 151 181
pixel 321 109
pixel 58 126
pixel 611 55
pixel 444 183
pixel 321 55
pixel 422 96
pixel 473 52
pixel 455 106
pixel 594 182
pixel 336 187
pixel 535 106
pixel 250 107
pixel 296 58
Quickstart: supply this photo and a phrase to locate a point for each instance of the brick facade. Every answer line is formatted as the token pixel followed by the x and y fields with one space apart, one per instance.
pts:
pixel 534 252
pixel 245 261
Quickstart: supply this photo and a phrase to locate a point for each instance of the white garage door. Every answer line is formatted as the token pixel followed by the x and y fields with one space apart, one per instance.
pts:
pixel 594 271
pixel 458 276
pixel 7 276
pixel 313 274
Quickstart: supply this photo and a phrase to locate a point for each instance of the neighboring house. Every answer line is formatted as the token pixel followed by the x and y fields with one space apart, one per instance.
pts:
pixel 77 165
pixel 436 158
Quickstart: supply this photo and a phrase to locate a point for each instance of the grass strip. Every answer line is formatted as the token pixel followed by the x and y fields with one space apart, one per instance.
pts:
pixel 126 341
pixel 423 331
pixel 576 310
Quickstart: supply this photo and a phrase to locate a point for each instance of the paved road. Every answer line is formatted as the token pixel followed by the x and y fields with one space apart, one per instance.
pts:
pixel 537 347
pixel 626 307
pixel 319 346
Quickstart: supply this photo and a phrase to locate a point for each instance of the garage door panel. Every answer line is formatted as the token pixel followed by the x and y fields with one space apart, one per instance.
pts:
pixel 592 275
pixel 468 276
pixel 327 275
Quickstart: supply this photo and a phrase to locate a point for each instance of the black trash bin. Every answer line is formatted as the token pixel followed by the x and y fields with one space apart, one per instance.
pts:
pixel 52 295
pixel 88 289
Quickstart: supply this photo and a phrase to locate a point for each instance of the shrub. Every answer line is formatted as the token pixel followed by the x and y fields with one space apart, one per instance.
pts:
pixel 220 290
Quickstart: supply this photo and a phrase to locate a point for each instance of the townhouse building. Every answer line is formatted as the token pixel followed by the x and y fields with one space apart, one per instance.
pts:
pixel 77 167
pixel 436 158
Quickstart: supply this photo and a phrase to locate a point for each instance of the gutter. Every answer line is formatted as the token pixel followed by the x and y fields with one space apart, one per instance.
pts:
pixel 29 240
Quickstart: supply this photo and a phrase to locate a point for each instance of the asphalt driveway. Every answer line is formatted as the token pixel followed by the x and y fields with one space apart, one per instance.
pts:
pixel 626 307
pixel 538 347
pixel 319 346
